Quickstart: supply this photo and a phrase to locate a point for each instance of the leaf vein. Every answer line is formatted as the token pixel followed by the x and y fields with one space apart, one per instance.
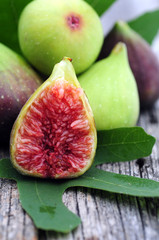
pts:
pixel 119 185
pixel 123 143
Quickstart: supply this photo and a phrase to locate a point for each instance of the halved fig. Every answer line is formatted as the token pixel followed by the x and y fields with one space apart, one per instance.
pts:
pixel 54 135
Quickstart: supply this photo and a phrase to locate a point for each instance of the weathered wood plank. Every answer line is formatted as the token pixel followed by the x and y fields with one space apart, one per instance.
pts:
pixel 14 222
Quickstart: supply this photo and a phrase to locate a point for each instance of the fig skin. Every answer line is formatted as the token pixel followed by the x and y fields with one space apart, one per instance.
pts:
pixel 111 90
pixel 63 71
pixel 142 60
pixel 52 29
pixel 17 82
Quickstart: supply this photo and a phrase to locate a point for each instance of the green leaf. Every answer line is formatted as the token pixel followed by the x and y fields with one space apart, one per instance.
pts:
pixel 100 6
pixel 42 199
pixel 123 144
pixel 117 183
pixel 147 25
pixel 9 14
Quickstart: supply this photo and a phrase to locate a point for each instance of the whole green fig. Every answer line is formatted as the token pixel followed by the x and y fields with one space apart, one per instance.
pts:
pixel 17 82
pixel 112 91
pixel 142 60
pixel 52 29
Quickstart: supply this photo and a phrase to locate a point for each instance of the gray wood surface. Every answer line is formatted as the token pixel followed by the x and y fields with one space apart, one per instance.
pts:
pixel 104 215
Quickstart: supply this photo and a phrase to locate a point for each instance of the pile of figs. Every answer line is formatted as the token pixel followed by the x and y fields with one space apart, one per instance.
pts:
pixel 54 132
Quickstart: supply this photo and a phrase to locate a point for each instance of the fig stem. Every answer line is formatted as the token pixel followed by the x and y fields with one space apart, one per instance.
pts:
pixel 67 58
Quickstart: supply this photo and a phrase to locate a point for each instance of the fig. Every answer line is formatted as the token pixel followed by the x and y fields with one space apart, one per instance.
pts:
pixel 142 60
pixel 54 135
pixel 112 91
pixel 17 82
pixel 52 29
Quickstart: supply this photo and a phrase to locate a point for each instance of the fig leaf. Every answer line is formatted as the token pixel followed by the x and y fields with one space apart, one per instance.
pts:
pixel 42 199
pixel 146 25
pixel 100 6
pixel 10 11
pixel 123 144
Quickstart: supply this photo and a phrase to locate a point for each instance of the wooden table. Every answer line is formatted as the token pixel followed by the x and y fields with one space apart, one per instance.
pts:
pixel 104 215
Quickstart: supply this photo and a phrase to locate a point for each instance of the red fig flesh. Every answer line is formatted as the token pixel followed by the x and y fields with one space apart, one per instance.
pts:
pixel 54 135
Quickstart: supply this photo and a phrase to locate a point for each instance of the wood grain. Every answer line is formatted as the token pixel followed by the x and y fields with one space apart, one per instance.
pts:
pixel 104 215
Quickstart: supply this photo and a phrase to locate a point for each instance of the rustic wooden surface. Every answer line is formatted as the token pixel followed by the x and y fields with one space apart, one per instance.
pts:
pixel 104 215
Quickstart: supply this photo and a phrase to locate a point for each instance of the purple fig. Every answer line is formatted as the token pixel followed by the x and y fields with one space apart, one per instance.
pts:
pixel 17 82
pixel 143 62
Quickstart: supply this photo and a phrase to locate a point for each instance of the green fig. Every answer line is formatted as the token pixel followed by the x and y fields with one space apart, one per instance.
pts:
pixel 112 91
pixel 142 60
pixel 52 29
pixel 17 82
pixel 54 135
